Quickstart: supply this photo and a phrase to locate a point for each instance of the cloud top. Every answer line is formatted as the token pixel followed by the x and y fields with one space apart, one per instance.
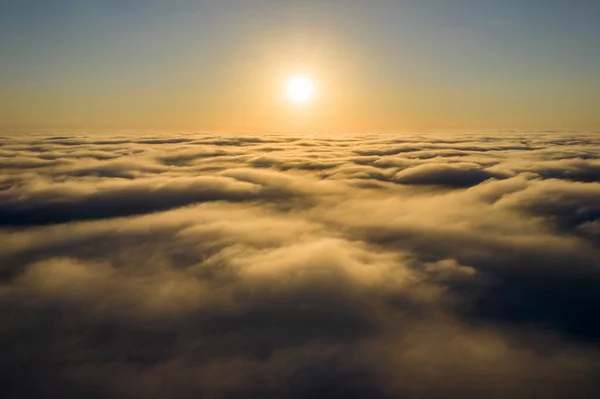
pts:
pixel 434 265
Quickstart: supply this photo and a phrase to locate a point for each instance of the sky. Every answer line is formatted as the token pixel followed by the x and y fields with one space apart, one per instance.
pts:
pixel 377 65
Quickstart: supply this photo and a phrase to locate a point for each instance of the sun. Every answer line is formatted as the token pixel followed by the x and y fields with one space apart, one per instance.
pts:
pixel 300 89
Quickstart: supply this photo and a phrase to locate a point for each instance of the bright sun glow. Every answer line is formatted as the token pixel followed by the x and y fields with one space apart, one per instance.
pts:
pixel 300 89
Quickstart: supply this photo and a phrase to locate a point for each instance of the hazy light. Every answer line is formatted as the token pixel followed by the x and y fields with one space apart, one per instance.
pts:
pixel 300 89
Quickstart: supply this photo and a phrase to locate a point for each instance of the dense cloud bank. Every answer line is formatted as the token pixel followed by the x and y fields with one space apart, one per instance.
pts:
pixel 438 265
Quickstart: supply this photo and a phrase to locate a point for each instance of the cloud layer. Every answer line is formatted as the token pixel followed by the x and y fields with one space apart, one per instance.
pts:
pixel 437 265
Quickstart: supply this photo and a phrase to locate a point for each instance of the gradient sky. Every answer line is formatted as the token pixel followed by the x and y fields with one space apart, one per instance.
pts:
pixel 378 64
